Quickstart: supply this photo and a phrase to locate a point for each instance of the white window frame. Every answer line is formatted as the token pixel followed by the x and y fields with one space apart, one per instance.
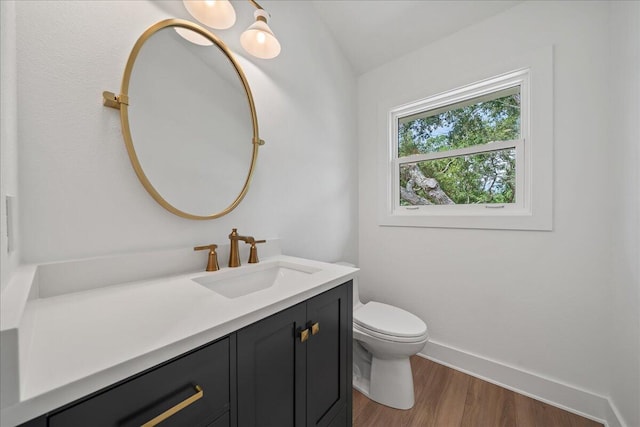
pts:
pixel 474 91
pixel 532 209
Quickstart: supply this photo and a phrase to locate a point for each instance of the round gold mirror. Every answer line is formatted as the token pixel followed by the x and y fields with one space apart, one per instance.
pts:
pixel 188 120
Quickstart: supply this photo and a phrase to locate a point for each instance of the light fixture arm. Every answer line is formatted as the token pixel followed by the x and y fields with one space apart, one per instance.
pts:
pixel 256 5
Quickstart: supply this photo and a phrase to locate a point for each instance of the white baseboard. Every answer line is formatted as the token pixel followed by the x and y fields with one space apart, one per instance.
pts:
pixel 569 398
pixel 614 415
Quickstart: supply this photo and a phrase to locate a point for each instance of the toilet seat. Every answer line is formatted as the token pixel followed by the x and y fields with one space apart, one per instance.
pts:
pixel 389 323
pixel 388 338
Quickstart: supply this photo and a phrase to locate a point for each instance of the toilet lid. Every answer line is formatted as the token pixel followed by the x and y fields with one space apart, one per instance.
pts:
pixel 389 320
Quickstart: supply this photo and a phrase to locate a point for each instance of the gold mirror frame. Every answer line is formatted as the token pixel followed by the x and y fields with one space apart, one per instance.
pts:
pixel 121 102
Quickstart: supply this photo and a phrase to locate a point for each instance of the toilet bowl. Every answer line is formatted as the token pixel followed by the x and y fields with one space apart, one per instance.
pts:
pixel 384 338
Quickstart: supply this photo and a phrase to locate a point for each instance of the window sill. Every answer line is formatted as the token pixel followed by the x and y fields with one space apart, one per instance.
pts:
pixel 496 220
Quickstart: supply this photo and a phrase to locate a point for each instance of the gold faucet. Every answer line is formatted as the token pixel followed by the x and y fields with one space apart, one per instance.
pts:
pixel 212 263
pixel 234 252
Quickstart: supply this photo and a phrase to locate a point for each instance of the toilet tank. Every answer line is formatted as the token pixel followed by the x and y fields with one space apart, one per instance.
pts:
pixel 356 292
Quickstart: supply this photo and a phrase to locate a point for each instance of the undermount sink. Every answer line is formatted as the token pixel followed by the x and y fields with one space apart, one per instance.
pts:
pixel 254 278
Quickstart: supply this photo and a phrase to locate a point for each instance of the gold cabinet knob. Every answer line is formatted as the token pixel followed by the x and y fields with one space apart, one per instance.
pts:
pixel 315 328
pixel 304 335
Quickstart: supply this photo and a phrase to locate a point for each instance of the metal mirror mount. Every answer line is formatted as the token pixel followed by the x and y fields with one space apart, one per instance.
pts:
pixel 188 120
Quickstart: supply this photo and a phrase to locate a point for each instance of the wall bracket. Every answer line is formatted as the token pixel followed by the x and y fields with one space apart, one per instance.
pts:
pixel 112 100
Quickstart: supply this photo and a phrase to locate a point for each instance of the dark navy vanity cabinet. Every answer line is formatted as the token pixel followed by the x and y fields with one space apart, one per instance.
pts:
pixel 294 368
pixel 290 369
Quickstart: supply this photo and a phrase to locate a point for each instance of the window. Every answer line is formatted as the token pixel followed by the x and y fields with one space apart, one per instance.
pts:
pixel 462 148
pixel 463 153
pixel 466 158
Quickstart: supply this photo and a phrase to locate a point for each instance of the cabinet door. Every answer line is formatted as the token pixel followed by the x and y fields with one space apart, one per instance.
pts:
pixel 271 371
pixel 329 356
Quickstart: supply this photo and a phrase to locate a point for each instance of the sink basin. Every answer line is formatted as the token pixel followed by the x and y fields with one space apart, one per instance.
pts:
pixel 247 280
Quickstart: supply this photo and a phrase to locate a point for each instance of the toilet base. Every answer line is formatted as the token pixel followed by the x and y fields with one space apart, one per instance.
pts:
pixel 386 381
pixel 392 382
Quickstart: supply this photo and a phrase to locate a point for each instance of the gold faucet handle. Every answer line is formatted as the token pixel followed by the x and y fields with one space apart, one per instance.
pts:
pixel 253 251
pixel 212 263
pixel 211 247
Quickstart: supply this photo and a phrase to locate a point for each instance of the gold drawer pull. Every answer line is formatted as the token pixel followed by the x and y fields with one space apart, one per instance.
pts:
pixel 179 407
pixel 315 328
pixel 304 335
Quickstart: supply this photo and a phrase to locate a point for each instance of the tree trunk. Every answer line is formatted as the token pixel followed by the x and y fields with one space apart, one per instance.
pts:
pixel 430 186
pixel 410 196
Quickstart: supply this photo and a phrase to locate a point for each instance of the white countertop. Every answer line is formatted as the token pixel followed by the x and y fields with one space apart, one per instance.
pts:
pixel 77 343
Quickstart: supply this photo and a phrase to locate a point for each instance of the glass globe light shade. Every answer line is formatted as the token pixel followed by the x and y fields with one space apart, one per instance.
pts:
pixel 218 14
pixel 192 36
pixel 258 39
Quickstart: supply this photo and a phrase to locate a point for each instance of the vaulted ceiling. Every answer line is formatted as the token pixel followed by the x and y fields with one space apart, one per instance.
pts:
pixel 372 32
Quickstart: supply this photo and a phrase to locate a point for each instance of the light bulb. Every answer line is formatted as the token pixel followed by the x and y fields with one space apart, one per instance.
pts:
pixel 258 39
pixel 218 14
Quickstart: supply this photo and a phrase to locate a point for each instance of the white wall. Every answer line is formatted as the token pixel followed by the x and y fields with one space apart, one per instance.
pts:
pixel 534 301
pixel 79 194
pixel 625 139
pixel 545 309
pixel 9 257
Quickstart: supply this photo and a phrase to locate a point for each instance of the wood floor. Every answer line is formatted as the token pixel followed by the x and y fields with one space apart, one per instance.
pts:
pixel 448 398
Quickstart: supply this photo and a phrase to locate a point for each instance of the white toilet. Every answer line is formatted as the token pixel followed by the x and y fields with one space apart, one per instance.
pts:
pixel 384 338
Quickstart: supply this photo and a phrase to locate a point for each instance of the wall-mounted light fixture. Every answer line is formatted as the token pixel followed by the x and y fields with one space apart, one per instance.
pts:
pixel 258 40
